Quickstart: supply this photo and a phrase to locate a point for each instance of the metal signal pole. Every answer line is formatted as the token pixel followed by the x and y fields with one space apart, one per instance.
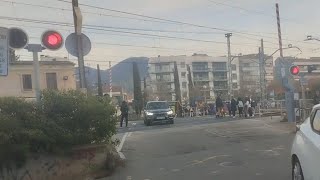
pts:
pixel 228 35
pixel 77 17
pixel 285 77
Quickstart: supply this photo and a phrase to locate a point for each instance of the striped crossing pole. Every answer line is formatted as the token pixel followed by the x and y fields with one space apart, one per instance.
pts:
pixel 279 30
pixel 110 79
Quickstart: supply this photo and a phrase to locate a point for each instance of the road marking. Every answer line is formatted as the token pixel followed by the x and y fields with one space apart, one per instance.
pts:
pixel 197 162
pixel 119 148
pixel 129 177
pixel 130 133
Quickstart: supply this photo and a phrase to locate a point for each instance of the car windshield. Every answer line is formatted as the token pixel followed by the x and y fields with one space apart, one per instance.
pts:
pixel 157 105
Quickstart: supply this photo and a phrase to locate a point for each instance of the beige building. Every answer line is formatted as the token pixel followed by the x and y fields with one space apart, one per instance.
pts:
pixel 54 74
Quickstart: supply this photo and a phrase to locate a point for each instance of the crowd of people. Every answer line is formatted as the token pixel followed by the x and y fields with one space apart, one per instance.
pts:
pixel 244 106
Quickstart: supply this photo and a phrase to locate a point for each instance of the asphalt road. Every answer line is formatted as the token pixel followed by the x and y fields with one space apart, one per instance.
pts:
pixel 205 148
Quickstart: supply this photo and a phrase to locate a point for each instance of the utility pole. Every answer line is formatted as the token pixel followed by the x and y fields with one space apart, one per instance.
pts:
pixel 228 35
pixel 263 82
pixel 285 77
pixel 110 80
pixel 100 93
pixel 35 49
pixel 77 17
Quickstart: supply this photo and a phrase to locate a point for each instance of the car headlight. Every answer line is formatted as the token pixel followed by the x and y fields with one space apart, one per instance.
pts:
pixel 170 112
pixel 149 113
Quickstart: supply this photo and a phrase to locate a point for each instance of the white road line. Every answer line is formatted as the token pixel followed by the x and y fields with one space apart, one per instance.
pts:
pixel 122 142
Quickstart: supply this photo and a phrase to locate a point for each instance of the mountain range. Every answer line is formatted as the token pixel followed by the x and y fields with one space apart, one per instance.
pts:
pixel 121 73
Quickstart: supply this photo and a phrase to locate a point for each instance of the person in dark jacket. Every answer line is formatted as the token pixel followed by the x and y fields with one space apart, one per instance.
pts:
pixel 124 113
pixel 233 107
pixel 219 105
pixel 316 98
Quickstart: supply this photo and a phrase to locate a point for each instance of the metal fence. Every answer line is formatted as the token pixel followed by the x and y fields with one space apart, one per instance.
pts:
pixel 278 108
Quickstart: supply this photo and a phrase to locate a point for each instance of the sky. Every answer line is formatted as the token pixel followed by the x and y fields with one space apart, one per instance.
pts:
pixel 116 36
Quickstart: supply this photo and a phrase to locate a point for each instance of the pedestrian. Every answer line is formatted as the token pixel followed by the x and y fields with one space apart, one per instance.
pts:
pixel 229 107
pixel 233 107
pixel 253 106
pixel 124 112
pixel 246 106
pixel 191 111
pixel 219 105
pixel 316 98
pixel 240 107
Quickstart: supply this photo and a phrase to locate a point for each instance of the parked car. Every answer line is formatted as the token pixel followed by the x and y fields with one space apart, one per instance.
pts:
pixel 158 112
pixel 305 153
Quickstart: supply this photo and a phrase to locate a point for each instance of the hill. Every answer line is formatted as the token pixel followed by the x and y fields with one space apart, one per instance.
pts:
pixel 121 73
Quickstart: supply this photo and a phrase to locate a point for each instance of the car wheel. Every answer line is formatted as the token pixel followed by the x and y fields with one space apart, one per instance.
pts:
pixel 297 173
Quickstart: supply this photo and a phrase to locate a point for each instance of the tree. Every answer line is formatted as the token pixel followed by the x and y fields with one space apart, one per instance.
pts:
pixel 100 93
pixel 138 99
pixel 190 86
pixel 177 88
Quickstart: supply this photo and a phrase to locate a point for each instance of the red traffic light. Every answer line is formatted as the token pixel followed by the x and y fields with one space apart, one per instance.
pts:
pixel 294 70
pixel 52 40
pixel 18 39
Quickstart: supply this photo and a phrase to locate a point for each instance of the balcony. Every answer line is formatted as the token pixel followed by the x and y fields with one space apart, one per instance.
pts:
pixel 164 80
pixel 200 78
pixel 220 78
pixel 200 69
pixel 164 70
pixel 220 88
pixel 219 69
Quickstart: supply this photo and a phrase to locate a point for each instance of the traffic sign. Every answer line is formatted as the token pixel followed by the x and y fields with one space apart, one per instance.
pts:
pixel 71 44
pixel 4 51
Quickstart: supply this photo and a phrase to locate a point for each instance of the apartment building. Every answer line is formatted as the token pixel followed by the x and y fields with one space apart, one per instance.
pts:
pixel 209 76
pixel 249 73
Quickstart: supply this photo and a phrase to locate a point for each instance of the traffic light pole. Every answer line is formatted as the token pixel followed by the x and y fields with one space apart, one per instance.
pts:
pixel 78 25
pixel 35 49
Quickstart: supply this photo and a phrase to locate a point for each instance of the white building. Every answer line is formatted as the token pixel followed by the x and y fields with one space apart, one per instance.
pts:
pixel 209 76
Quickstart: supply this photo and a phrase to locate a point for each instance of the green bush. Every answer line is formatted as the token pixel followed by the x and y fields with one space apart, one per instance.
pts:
pixel 60 121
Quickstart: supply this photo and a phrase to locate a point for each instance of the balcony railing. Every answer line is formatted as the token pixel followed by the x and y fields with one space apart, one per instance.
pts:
pixel 200 68
pixel 219 69
pixel 201 78
pixel 165 70
pixel 220 78
pixel 220 88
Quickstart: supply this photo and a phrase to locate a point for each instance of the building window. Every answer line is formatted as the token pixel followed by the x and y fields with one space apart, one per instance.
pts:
pixel 27 82
pixel 183 74
pixel 184 84
pixel 234 76
pixel 235 85
pixel 233 67
pixel 52 81
pixel 183 65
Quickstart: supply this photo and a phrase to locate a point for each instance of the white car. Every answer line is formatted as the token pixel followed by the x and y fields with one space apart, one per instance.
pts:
pixel 305 152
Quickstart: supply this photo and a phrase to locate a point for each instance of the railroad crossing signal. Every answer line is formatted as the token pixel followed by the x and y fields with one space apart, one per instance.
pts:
pixel 52 40
pixel 18 39
pixel 294 70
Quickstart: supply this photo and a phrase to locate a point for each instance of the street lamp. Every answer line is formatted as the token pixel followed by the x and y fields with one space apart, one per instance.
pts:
pixel 290 46
pixel 309 38
pixel 204 93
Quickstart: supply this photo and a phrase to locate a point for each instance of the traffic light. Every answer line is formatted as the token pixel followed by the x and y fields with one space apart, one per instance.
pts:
pixel 311 68
pixel 294 70
pixel 52 40
pixel 18 39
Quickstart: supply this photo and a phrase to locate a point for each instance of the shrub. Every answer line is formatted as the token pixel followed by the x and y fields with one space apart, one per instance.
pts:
pixel 60 121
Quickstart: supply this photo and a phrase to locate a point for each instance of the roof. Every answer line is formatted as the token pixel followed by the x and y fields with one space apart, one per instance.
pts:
pixel 43 63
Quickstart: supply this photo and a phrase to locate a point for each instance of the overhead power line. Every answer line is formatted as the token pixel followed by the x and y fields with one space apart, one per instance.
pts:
pixel 105 28
pixel 155 18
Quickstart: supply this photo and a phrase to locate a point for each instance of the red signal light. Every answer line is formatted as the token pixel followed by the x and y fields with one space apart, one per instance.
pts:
pixel 52 40
pixel 294 70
